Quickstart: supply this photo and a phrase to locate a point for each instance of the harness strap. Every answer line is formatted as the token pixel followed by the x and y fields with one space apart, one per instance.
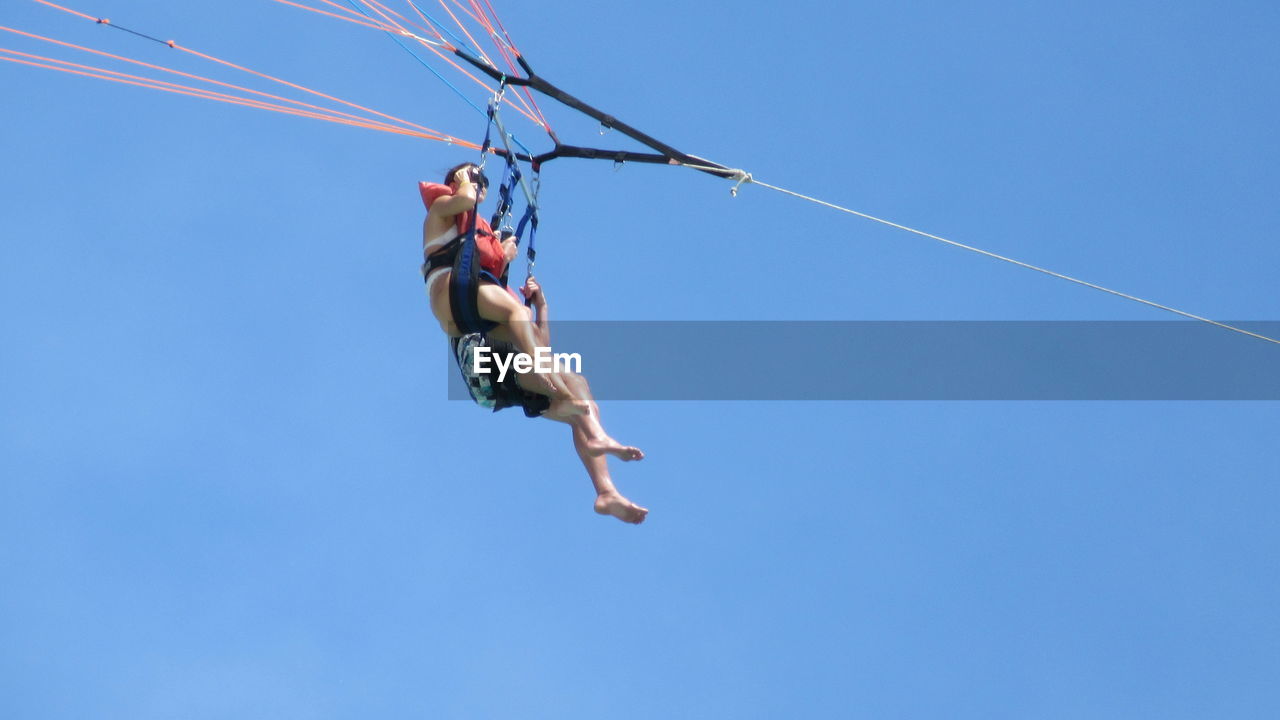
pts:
pixel 461 253
pixel 443 257
pixel 464 280
pixel 459 293
pixel 510 178
pixel 529 219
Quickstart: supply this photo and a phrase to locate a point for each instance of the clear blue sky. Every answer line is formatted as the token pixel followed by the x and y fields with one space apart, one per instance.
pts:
pixel 230 484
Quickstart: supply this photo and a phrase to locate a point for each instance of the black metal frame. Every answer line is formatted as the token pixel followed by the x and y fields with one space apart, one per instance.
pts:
pixel 666 154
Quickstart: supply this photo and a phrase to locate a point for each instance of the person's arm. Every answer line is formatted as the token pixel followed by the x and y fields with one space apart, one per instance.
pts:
pixel 462 200
pixel 533 293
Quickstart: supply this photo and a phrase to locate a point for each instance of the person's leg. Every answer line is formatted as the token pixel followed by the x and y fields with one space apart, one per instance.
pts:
pixel 516 326
pixel 592 426
pixel 516 322
pixel 608 500
pixel 596 439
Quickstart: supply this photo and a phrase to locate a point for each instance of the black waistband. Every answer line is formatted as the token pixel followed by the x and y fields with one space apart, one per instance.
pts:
pixel 443 257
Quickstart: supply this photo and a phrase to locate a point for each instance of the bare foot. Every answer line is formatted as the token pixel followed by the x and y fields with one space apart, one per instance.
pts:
pixel 621 508
pixel 613 447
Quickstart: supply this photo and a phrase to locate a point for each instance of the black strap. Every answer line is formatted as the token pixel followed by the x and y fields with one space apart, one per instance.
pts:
pixel 442 257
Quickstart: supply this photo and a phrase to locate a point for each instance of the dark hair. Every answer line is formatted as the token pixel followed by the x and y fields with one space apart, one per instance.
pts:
pixel 481 180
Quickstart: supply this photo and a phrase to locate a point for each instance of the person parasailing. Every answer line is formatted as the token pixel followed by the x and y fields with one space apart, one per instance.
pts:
pixel 509 326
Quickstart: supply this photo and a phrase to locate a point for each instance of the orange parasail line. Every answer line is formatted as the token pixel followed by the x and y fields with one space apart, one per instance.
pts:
pixel 364 21
pixel 512 45
pixel 151 83
pixel 478 15
pixel 532 105
pixel 443 56
pixel 464 30
pixel 263 75
pixel 427 22
pixel 197 77
pixel 485 85
pixel 526 111
pixel 391 25
pixel 192 76
pixel 468 12
pixel 209 95
pixel 73 12
pixel 477 80
pixel 295 86
pixel 505 34
pixel 321 113
pixel 385 11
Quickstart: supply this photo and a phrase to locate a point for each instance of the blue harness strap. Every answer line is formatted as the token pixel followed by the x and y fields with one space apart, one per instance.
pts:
pixel 465 279
pixel 529 219
pixel 464 288
pixel 467 275
pixel 510 178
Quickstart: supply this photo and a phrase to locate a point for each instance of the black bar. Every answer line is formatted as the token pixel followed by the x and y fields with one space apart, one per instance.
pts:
pixel 596 154
pixel 490 70
pixel 502 152
pixel 669 155
pixel 624 156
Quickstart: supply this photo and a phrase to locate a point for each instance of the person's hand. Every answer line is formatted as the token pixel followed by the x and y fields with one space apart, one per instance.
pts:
pixel 533 292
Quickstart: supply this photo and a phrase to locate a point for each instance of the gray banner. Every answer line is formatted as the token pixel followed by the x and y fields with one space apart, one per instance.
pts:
pixel 1003 360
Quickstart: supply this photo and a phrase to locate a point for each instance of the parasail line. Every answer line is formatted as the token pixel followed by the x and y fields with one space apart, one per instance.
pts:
pixel 365 22
pixel 386 18
pixel 435 72
pixel 463 28
pixel 506 48
pixel 427 22
pixel 479 16
pixel 222 97
pixel 398 33
pixel 745 177
pixel 433 47
pixel 74 12
pixel 292 85
pixel 384 9
pixel 439 26
pixel 174 45
pixel 155 84
pixel 201 78
pixel 498 19
pixel 471 13
pixel 207 94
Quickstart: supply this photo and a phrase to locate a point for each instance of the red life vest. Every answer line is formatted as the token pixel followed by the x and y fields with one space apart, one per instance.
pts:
pixel 492 258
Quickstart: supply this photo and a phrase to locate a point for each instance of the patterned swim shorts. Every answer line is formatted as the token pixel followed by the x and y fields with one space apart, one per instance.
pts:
pixel 479 385
pixel 485 388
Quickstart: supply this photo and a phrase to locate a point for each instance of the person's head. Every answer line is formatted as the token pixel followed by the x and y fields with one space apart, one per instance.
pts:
pixel 473 171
